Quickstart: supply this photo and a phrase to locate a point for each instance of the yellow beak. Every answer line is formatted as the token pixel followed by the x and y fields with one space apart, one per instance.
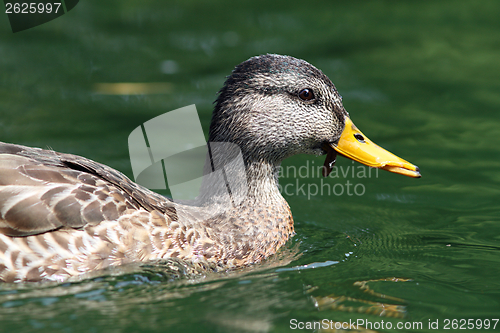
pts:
pixel 356 146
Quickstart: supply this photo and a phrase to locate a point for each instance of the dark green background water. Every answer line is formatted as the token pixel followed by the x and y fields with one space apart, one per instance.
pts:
pixel 421 79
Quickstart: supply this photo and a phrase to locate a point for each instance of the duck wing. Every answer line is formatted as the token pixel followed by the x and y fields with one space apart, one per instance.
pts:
pixel 42 190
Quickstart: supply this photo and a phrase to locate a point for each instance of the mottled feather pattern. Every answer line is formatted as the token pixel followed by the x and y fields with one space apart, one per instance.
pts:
pixel 39 193
pixel 74 221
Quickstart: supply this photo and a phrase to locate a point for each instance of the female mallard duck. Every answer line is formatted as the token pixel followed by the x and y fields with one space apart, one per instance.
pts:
pixel 63 215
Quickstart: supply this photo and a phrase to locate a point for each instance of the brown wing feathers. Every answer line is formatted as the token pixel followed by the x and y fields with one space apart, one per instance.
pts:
pixel 41 190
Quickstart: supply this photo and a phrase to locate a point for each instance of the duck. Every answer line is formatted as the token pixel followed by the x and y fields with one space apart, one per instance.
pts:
pixel 64 216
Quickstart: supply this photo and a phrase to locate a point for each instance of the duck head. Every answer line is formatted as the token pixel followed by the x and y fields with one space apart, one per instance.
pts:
pixel 275 106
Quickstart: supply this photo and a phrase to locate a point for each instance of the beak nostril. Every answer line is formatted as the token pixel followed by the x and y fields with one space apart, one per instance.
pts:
pixel 359 137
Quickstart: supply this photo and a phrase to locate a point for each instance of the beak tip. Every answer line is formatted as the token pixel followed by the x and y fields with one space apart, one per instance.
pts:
pixel 417 170
pixel 409 170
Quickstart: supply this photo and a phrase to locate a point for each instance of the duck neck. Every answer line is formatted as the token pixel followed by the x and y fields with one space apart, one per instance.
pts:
pixel 262 180
pixel 248 179
pixel 255 222
pixel 262 222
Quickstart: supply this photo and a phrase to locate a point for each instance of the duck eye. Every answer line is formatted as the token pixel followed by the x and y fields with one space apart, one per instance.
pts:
pixel 359 137
pixel 306 94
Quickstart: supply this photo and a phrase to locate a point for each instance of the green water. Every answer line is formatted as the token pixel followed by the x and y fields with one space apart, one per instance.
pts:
pixel 419 78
